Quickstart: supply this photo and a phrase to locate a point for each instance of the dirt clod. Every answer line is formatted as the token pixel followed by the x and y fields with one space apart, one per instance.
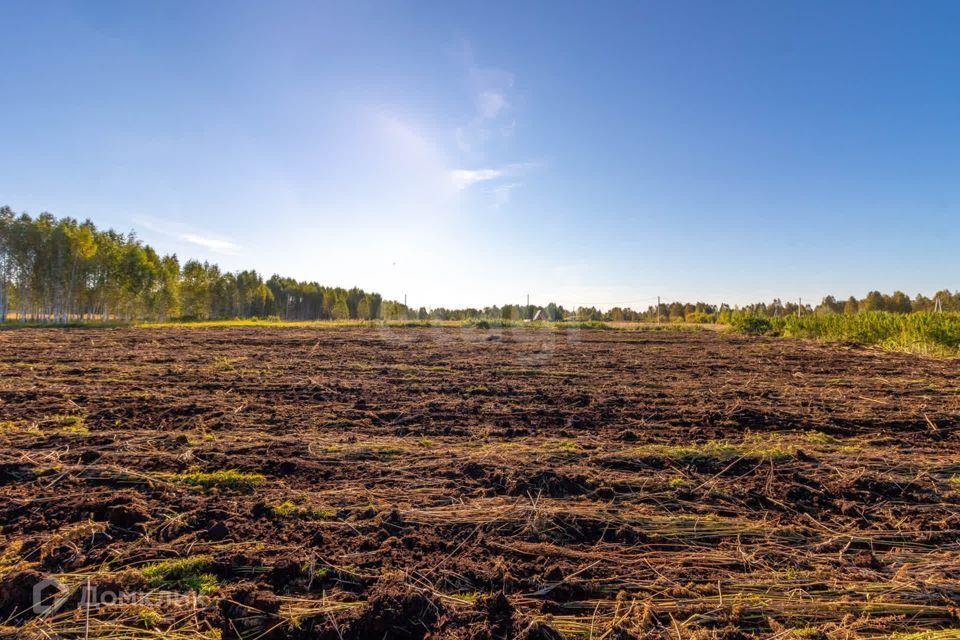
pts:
pixel 249 610
pixel 17 594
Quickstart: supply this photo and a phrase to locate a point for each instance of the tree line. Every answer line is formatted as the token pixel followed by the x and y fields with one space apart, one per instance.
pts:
pixel 61 270
pixel 897 302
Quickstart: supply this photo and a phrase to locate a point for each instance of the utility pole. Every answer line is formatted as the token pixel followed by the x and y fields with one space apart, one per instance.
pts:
pixel 528 307
pixel 658 309
pixel 937 306
pixel 799 306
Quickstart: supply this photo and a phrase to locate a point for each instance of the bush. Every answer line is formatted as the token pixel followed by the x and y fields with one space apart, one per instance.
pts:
pixel 700 317
pixel 751 324
pixel 585 324
pixel 922 332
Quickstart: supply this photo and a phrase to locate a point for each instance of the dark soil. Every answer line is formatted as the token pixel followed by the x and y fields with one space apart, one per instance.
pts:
pixel 434 483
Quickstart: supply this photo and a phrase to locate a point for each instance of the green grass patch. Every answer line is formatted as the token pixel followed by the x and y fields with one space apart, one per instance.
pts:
pixel 589 324
pixel 229 479
pixel 148 618
pixel 712 451
pixel 561 446
pixel 818 437
pixel 478 391
pixel 223 363
pixel 292 510
pixel 673 327
pixel 182 573
pixel 65 424
pixel 16 427
pixel 939 634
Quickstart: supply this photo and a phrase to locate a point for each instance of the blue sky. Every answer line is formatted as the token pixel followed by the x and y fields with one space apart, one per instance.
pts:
pixel 469 153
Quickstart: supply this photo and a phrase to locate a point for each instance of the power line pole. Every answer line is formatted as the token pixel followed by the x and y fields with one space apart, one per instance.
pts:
pixel 658 309
pixel 799 306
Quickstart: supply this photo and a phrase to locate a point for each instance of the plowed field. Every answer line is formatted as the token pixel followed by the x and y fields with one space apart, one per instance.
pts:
pixel 462 483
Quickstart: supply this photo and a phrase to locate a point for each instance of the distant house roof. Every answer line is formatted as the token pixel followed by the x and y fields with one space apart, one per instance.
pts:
pixel 540 315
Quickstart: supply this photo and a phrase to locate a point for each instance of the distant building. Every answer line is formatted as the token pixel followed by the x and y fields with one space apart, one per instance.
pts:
pixel 540 316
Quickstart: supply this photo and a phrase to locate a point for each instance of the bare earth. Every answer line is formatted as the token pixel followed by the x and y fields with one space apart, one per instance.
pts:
pixel 460 483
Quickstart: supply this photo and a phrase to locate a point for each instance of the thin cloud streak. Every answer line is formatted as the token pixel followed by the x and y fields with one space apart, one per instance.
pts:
pixel 490 90
pixel 185 233
pixel 463 178
pixel 213 244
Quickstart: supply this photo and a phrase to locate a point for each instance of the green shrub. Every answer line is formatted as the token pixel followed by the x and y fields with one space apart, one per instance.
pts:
pixel 584 324
pixel 751 324
pixel 934 333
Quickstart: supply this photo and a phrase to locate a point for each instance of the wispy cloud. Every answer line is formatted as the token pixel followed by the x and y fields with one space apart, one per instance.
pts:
pixel 463 178
pixel 490 104
pixel 214 244
pixel 491 92
pixel 504 180
pixel 185 233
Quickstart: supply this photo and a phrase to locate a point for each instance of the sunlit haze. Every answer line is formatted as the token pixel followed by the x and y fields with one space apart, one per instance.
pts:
pixel 472 153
